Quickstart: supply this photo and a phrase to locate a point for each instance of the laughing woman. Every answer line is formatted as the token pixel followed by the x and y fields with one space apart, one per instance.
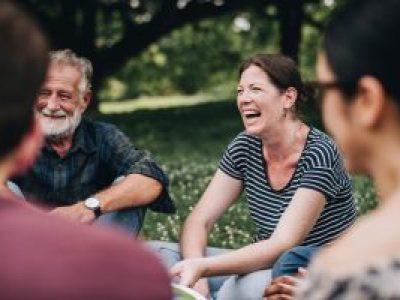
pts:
pixel 297 190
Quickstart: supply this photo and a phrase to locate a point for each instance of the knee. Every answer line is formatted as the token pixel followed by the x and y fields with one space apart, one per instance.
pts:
pixel 168 252
pixel 292 259
pixel 160 245
pixel 130 220
pixel 250 286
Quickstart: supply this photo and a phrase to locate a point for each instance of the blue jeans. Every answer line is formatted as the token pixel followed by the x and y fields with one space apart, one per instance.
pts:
pixel 248 286
pixel 128 220
pixel 290 261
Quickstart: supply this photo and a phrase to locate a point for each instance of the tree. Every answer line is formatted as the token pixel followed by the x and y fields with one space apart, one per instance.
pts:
pixel 109 32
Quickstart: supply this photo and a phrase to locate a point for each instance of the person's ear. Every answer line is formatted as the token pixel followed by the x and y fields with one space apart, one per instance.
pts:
pixel 369 104
pixel 290 98
pixel 87 97
pixel 28 149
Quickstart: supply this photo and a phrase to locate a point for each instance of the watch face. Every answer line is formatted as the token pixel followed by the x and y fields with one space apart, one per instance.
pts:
pixel 92 203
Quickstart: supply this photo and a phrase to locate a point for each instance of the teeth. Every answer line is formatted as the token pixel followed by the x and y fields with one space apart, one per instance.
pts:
pixel 253 115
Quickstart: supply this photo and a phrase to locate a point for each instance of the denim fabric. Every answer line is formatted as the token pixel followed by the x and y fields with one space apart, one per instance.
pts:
pixel 129 220
pixel 249 286
pixel 290 261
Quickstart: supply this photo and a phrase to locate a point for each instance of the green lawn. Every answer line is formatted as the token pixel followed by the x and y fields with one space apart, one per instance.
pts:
pixel 155 103
pixel 188 142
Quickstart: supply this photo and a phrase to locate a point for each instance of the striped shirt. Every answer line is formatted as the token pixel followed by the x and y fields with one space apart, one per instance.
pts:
pixel 319 168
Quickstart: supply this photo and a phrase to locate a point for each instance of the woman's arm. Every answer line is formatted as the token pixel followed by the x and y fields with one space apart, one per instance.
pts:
pixel 222 191
pixel 294 225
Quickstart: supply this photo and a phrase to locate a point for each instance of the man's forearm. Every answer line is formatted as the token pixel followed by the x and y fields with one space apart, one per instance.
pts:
pixel 133 190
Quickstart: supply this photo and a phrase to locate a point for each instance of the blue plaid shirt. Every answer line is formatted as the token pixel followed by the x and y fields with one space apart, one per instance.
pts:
pixel 100 154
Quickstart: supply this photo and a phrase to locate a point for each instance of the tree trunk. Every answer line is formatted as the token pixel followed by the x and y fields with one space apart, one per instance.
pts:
pixel 88 45
pixel 290 18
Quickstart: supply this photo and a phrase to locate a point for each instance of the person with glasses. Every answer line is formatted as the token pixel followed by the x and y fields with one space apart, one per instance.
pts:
pixel 359 73
pixel 292 174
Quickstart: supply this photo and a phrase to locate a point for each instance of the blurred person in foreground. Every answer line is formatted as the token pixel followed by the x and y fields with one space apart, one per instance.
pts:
pixel 297 190
pixel 358 72
pixel 42 256
pixel 89 171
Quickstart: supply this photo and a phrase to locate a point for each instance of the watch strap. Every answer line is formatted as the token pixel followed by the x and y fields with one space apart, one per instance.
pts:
pixel 97 212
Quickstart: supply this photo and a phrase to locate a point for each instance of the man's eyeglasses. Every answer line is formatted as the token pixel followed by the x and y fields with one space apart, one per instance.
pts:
pixel 318 88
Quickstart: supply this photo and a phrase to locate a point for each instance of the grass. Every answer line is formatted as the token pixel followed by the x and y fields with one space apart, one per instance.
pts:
pixel 188 142
pixel 154 103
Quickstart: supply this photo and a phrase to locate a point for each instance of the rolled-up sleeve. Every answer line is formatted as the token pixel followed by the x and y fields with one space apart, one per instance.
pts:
pixel 125 159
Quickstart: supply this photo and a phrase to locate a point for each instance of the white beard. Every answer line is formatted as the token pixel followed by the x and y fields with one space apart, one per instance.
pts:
pixel 57 129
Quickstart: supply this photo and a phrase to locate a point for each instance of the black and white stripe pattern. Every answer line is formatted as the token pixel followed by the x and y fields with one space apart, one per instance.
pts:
pixel 320 168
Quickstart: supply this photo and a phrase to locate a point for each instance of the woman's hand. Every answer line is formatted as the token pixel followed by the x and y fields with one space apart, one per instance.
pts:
pixel 189 270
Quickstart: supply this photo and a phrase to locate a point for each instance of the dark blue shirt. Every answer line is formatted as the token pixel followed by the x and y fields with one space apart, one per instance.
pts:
pixel 100 154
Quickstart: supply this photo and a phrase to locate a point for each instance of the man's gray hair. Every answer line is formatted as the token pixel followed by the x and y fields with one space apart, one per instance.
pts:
pixel 82 64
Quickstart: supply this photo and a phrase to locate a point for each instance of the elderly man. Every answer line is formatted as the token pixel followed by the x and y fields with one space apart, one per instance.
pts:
pixel 89 169
pixel 43 257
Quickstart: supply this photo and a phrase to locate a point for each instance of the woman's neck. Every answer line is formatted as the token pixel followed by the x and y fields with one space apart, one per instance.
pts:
pixel 282 142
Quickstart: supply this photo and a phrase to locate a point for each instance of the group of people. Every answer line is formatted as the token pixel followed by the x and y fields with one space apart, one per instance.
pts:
pixel 294 177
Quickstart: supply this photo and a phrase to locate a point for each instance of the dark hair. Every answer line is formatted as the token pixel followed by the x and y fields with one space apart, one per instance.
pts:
pixel 281 70
pixel 23 64
pixel 362 38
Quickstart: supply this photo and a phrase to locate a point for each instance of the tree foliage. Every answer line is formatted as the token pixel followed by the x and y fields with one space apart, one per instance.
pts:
pixel 110 32
pixel 201 56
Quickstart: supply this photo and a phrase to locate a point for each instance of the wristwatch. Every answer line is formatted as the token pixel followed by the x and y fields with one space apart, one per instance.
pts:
pixel 93 204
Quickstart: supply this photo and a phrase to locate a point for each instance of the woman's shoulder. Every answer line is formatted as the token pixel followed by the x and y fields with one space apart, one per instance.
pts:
pixel 244 140
pixel 318 139
pixel 320 146
pixel 244 136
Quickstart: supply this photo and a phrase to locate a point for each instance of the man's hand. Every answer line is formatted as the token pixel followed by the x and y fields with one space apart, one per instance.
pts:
pixel 189 270
pixel 284 287
pixel 77 212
